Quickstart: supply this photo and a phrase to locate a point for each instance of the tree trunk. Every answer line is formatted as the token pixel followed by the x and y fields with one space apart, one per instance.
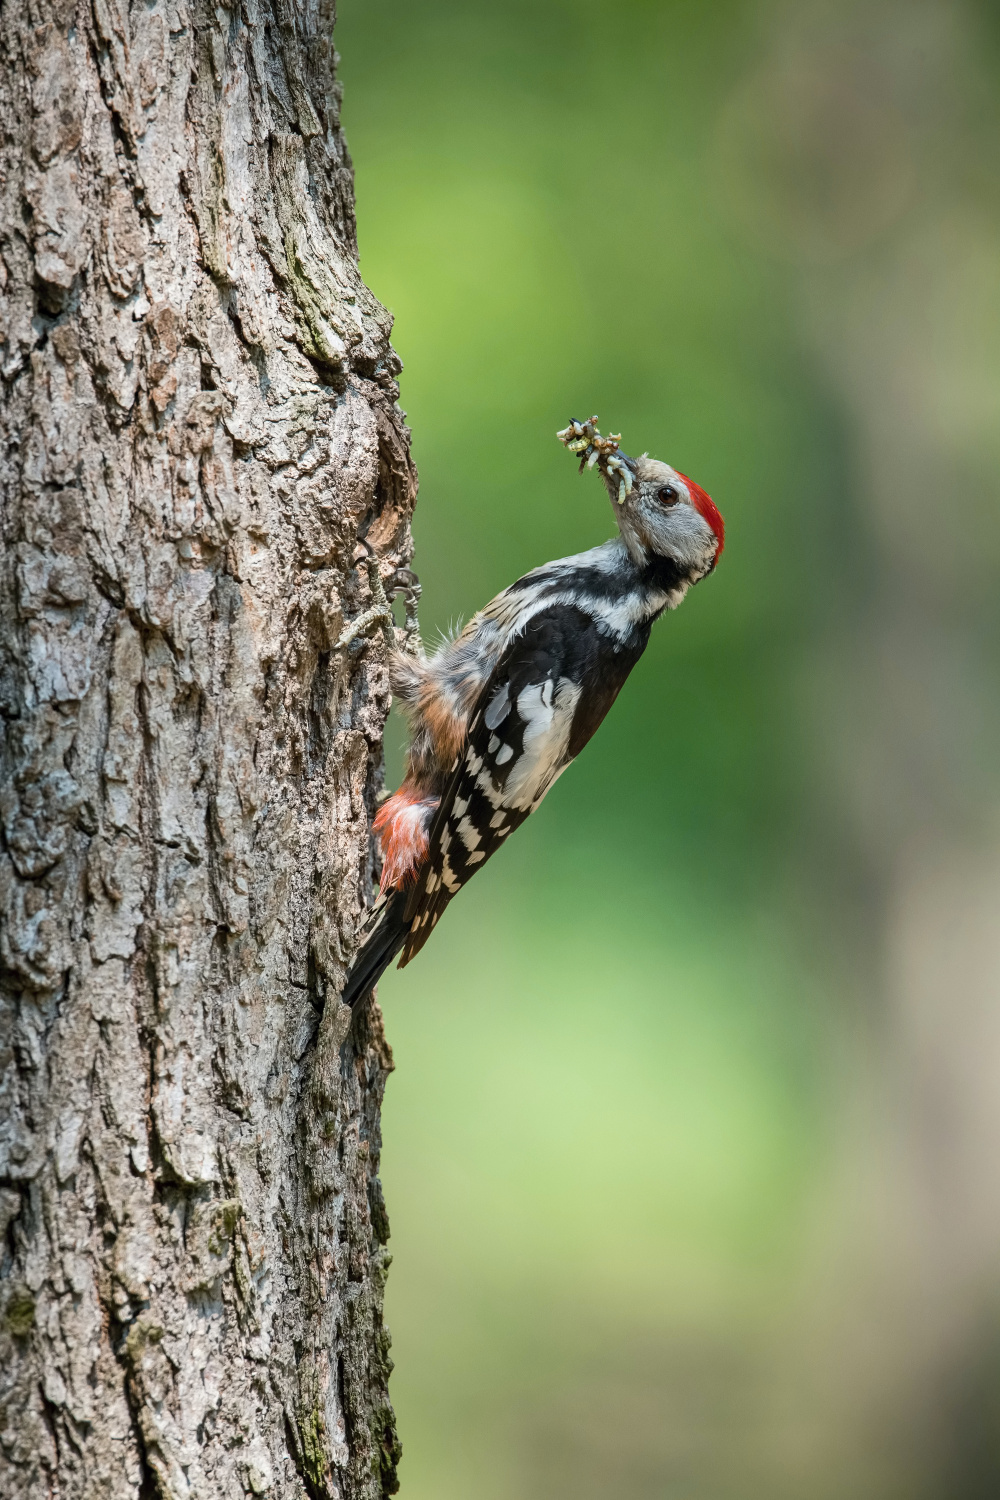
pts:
pixel 198 424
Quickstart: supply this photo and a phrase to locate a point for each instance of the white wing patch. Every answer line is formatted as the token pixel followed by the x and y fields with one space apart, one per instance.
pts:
pixel 498 709
pixel 548 716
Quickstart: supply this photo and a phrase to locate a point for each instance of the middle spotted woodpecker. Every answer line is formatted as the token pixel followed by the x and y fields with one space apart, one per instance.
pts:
pixel 497 713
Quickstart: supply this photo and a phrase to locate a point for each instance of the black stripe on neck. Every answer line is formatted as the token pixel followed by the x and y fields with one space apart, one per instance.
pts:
pixel 661 574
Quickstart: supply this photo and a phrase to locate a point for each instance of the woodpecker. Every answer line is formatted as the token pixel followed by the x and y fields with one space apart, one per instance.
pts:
pixel 499 711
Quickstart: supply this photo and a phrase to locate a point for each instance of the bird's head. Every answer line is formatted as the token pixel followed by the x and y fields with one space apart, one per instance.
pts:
pixel 660 512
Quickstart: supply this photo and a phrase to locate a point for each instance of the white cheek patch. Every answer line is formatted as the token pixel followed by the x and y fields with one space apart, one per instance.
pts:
pixel 680 533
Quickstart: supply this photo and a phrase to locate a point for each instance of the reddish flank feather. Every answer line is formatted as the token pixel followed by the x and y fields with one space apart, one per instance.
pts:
pixel 708 510
pixel 401 824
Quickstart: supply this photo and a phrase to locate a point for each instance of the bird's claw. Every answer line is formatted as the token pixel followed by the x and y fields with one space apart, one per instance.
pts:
pixel 584 438
pixel 378 613
pixel 380 610
pixel 406 582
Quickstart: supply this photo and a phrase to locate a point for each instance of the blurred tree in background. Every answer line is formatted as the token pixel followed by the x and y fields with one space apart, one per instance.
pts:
pixel 690 1150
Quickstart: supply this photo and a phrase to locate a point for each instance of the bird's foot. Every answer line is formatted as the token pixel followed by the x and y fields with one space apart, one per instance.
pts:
pixel 379 612
pixel 584 438
pixel 406 582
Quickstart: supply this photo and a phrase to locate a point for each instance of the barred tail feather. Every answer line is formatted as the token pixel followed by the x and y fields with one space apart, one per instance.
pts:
pixel 383 940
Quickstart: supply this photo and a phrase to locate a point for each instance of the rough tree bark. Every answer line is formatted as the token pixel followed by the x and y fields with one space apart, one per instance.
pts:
pixel 198 423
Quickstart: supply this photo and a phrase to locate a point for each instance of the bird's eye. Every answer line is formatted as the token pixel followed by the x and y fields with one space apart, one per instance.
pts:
pixel 668 495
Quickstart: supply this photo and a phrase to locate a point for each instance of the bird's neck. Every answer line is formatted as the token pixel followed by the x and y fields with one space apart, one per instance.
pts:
pixel 662 575
pixel 659 580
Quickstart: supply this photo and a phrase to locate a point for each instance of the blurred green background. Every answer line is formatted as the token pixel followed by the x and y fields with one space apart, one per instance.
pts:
pixel 691 1153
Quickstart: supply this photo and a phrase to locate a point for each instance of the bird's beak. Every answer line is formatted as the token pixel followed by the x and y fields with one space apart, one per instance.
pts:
pixel 616 468
pixel 618 473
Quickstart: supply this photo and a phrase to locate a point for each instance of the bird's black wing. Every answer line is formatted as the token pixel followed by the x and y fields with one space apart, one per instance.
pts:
pixel 546 696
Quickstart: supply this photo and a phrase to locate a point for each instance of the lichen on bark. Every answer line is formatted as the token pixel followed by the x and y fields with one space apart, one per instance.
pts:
pixel 199 423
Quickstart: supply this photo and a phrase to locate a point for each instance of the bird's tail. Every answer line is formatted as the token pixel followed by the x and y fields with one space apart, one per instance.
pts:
pixel 383 939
